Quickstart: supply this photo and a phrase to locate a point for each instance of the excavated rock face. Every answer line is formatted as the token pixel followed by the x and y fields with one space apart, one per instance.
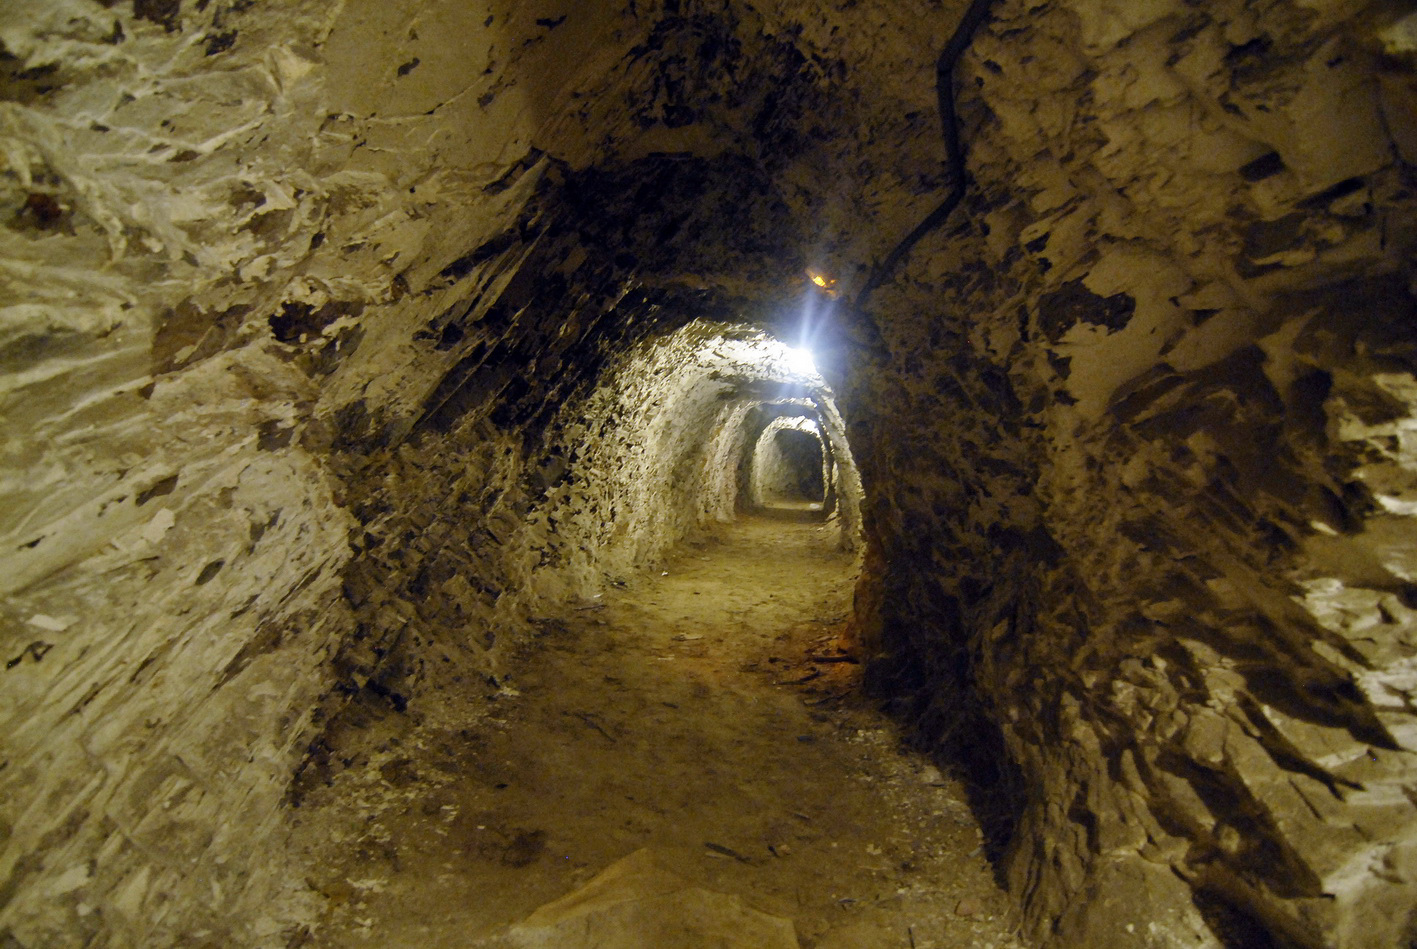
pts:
pixel 1139 482
pixel 330 334
pixel 343 342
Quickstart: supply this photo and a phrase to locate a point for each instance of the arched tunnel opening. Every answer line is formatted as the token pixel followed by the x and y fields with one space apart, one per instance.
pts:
pixel 788 464
pixel 799 459
pixel 790 467
pixel 647 473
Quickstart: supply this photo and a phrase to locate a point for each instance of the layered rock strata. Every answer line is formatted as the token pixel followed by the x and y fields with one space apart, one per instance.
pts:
pixel 294 294
pixel 1139 498
pixel 331 345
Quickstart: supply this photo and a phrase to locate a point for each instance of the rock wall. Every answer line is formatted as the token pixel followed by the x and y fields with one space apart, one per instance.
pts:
pixel 480 525
pixel 294 294
pixel 334 335
pixel 236 242
pixel 1139 487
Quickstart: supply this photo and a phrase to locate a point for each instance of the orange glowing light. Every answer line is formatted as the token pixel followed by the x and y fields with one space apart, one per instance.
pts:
pixel 819 280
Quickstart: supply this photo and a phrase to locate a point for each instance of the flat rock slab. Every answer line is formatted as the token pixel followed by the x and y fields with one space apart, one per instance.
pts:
pixel 635 903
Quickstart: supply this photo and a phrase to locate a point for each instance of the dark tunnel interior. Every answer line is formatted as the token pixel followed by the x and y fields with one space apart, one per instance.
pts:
pixel 988 430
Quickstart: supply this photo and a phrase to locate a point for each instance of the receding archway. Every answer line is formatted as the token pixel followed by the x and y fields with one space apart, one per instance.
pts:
pixel 788 468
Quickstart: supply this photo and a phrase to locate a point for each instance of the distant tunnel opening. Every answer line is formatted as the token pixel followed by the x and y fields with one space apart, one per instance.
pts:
pixel 691 428
pixel 789 466
pixel 789 469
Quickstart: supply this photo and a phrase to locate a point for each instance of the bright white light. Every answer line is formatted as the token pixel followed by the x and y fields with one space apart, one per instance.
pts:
pixel 800 360
pixel 764 356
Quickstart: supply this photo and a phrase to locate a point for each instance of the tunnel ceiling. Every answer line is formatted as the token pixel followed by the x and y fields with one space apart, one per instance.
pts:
pixel 696 156
pixel 333 335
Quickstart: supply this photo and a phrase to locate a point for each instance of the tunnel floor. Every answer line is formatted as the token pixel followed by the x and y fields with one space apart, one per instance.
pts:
pixel 705 713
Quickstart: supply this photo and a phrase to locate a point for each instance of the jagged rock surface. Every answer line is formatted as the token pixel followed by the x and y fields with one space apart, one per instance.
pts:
pixel 327 329
pixel 1164 382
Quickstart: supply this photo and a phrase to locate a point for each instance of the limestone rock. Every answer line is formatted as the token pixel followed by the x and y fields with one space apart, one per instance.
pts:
pixel 1106 911
pixel 341 344
pixel 635 902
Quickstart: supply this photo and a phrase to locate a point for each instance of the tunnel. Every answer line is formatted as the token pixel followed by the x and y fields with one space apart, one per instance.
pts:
pixel 788 466
pixel 853 474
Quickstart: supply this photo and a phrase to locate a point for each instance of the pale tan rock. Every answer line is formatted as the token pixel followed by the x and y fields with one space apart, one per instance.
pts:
pixel 311 371
pixel 636 902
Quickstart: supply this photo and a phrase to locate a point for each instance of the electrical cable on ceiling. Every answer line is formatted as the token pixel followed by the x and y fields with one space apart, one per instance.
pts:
pixel 954 149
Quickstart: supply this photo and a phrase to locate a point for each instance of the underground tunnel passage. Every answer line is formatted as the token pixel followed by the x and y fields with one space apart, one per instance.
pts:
pixel 788 466
pixel 401 402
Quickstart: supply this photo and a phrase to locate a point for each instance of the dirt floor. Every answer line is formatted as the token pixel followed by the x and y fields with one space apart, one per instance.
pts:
pixel 707 713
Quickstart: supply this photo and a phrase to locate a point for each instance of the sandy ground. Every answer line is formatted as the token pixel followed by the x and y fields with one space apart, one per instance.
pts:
pixel 707 713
